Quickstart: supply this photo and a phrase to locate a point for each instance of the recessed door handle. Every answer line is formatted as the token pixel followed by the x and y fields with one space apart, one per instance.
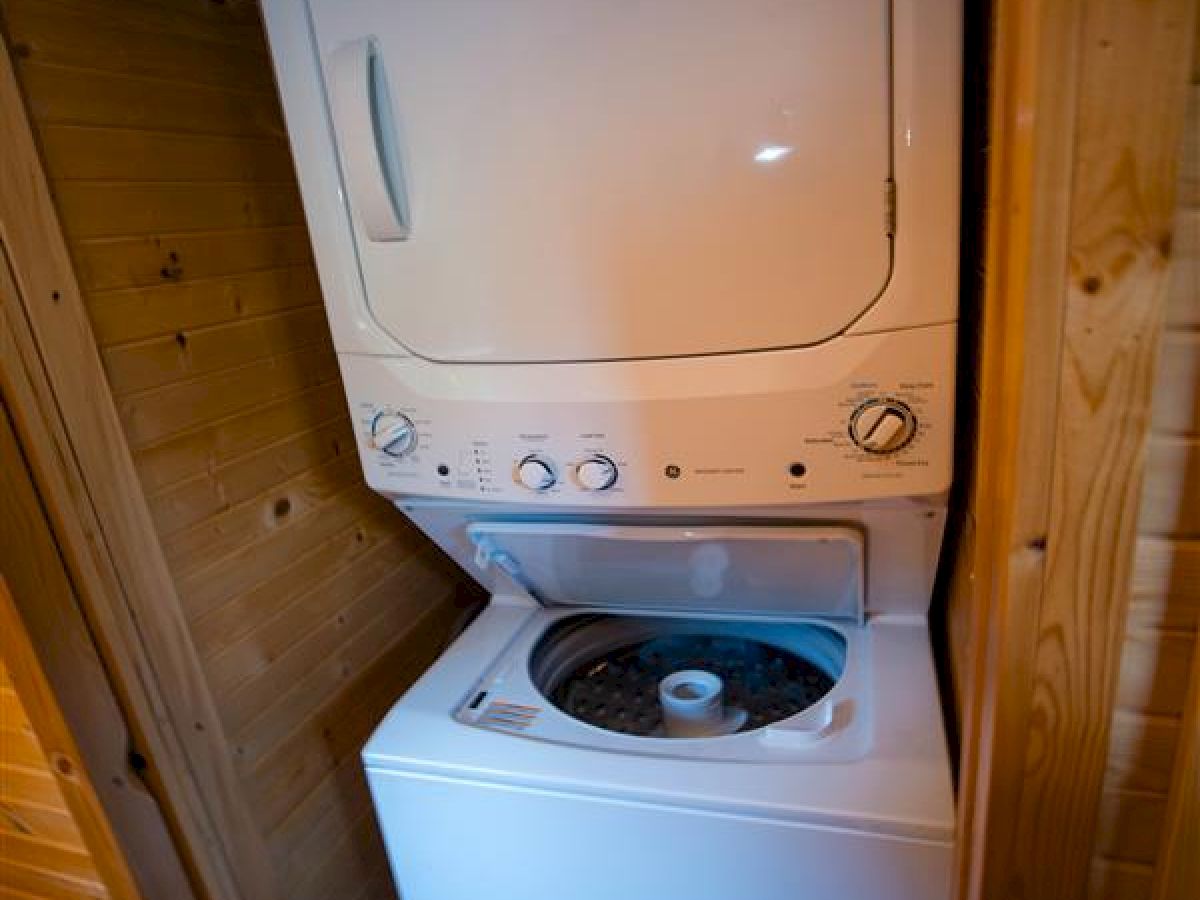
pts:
pixel 368 140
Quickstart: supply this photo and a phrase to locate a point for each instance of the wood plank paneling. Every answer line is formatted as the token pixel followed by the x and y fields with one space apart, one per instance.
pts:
pixel 1172 480
pixel 77 41
pixel 1087 111
pixel 157 260
pixel 1141 751
pixel 309 602
pixel 1161 627
pixel 242 653
pixel 208 542
pixel 67 96
pixel 37 834
pixel 112 154
pixel 224 486
pixel 97 209
pixel 1154 671
pixel 1111 880
pixel 1130 825
pixel 1178 876
pixel 1166 584
pixel 229 441
pixel 170 308
pixel 300 763
pixel 1177 385
pixel 242 571
pixel 66 685
pixel 157 414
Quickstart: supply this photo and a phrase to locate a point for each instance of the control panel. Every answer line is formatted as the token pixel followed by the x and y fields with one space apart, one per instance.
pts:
pixel 881 429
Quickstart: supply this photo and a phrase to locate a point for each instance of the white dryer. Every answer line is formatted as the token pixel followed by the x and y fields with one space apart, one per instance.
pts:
pixel 646 314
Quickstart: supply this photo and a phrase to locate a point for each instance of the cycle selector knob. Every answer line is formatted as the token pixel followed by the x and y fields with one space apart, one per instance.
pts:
pixel 883 426
pixel 394 434
pixel 536 472
pixel 596 473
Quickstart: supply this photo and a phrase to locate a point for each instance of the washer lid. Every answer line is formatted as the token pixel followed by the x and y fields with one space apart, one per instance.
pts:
pixel 758 569
pixel 568 180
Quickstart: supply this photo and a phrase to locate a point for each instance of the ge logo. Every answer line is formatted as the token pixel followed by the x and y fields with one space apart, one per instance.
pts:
pixel 672 471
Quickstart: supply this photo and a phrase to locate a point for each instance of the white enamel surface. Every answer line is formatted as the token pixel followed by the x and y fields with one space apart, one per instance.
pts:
pixel 835 730
pixel 926 136
pixel 732 425
pixel 585 176
pixel 875 821
pixel 924 142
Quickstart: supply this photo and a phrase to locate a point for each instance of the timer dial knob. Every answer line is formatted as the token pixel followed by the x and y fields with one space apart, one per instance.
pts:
pixel 596 473
pixel 536 472
pixel 394 434
pixel 883 426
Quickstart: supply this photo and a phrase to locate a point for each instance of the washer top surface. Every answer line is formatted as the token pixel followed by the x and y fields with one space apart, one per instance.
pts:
pixel 878 764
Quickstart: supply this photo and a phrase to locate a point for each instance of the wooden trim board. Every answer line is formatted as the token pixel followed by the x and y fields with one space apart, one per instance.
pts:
pixel 58 673
pixel 1088 103
pixel 80 459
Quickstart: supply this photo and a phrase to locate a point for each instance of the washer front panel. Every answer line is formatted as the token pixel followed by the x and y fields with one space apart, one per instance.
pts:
pixel 749 429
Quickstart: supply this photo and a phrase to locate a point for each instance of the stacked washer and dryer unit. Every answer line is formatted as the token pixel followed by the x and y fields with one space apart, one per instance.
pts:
pixel 646 314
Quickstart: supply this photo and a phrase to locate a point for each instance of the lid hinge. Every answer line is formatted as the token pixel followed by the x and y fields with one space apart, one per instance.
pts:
pixel 487 554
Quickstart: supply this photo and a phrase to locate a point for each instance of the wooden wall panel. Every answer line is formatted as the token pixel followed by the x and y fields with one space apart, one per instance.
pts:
pixel 310 602
pixel 1087 118
pixel 1164 610
pixel 41 849
pixel 1177 875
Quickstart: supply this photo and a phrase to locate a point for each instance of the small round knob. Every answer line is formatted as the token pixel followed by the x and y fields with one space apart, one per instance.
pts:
pixel 394 434
pixel 536 472
pixel 596 473
pixel 882 425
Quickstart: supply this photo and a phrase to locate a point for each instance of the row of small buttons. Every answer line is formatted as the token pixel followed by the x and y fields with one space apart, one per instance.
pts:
pixel 595 473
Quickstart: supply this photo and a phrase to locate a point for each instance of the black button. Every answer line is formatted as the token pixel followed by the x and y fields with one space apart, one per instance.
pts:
pixel 443 470
pixel 797 470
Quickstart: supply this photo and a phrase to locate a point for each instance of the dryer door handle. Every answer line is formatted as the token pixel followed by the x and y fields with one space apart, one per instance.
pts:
pixel 368 140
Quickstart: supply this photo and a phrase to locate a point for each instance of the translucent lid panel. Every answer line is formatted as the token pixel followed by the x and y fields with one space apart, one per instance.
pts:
pixel 765 570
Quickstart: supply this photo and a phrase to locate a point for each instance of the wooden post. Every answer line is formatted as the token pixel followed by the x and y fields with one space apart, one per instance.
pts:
pixel 1087 110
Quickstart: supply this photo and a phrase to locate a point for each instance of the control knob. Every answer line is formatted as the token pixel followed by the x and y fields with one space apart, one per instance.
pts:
pixel 536 472
pixel 882 425
pixel 596 473
pixel 394 434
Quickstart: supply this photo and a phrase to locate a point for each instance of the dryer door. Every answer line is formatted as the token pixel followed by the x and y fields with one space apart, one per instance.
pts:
pixel 552 180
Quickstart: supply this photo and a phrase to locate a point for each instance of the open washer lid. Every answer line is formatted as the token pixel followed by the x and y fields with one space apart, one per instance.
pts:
pixel 571 180
pixel 785 571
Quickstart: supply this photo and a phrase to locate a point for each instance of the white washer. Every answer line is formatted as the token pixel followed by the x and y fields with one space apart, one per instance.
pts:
pixel 486 785
pixel 646 314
